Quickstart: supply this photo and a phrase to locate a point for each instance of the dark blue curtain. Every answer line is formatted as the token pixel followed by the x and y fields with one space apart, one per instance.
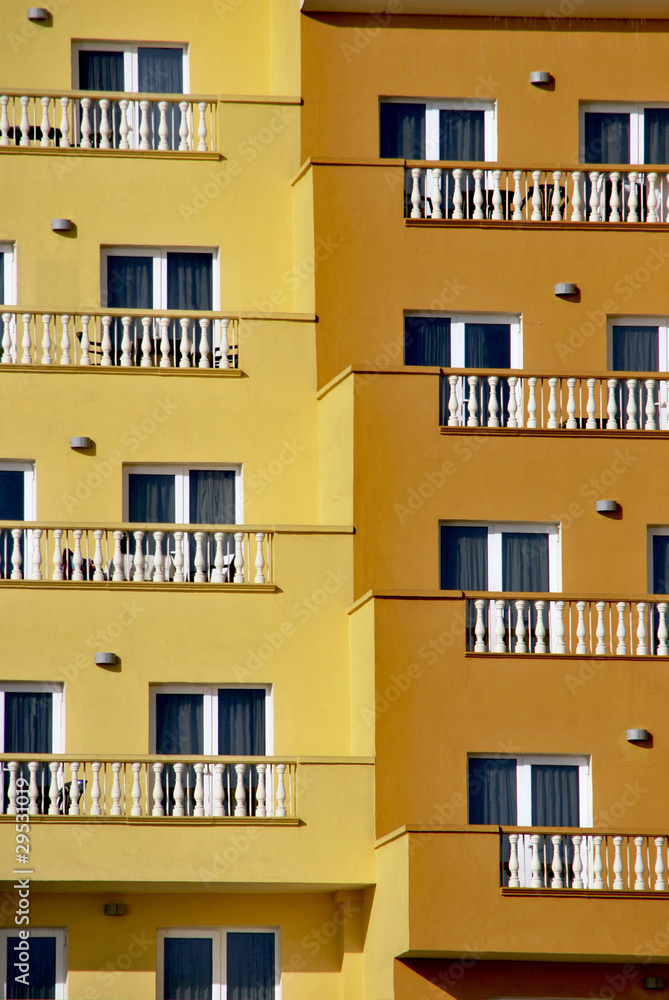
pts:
pixel 179 724
pixel 488 345
pixel 189 287
pixel 12 508
pixel 656 135
pixel 402 130
pixel 464 566
pixel 151 498
pixel 555 795
pixel 160 71
pixel 3 292
pixel 250 966
pixel 28 722
pixel 661 564
pixel 607 137
pixel 492 791
pixel 212 496
pixel 524 561
pixel 103 71
pixel 427 341
pixel 462 135
pixel 129 286
pixel 634 349
pixel 42 972
pixel 241 730
pixel 188 969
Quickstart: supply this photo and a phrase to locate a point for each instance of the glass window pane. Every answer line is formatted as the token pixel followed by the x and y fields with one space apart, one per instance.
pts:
pixel 130 282
pixel 607 137
pixel 462 135
pixel 656 135
pixel 555 795
pixel 635 348
pixel 212 496
pixel 179 724
pixel 188 967
pixel 427 341
pixel 101 71
pixel 241 722
pixel 3 290
pixel 38 982
pixel 487 345
pixel 28 722
pixel 151 498
pixel 160 71
pixel 661 564
pixel 525 561
pixel 189 281
pixel 464 558
pixel 250 966
pixel 492 791
pixel 12 496
pixel 402 130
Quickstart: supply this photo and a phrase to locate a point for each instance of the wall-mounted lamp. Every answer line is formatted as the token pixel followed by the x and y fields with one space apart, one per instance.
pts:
pixel 607 506
pixel 565 288
pixel 80 442
pixel 540 77
pixel 62 225
pixel 653 983
pixel 115 909
pixel 105 659
pixel 38 14
pixel 637 735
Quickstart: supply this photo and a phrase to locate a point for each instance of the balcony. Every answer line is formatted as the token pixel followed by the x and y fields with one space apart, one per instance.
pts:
pixel 91 121
pixel 579 859
pixel 120 338
pixel 199 554
pixel 565 625
pixel 613 401
pixel 476 192
pixel 53 785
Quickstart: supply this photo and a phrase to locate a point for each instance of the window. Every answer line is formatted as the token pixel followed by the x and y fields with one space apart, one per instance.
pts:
pixel 529 790
pixel 152 278
pixel 17 503
pixel 219 964
pixel 640 344
pixel 214 721
pixel 414 129
pixel 31 722
pixel 7 275
pixel 624 133
pixel 33 967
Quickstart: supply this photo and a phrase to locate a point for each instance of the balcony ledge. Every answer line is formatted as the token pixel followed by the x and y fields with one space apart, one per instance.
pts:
pixel 589 893
pixel 628 227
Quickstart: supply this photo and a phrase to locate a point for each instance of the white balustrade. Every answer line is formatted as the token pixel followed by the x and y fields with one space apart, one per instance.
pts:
pixel 514 399
pixel 548 196
pixel 92 120
pixel 114 338
pixel 577 860
pixel 258 787
pixel 532 623
pixel 202 554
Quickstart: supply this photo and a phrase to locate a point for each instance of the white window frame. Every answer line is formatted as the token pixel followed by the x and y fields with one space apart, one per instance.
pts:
pixel 458 322
pixel 130 60
pixel 524 764
pixel 218 937
pixel 181 491
pixel 29 492
pixel 59 933
pixel 57 708
pixel 159 256
pixel 661 323
pixel 432 109
pixel 636 114
pixel 8 292
pixel 653 530
pixel 210 713
pixel 494 549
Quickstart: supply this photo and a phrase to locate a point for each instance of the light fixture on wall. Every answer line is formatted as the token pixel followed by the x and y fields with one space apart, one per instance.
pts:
pixel 637 735
pixel 40 15
pixel 79 443
pixel 115 909
pixel 565 288
pixel 607 506
pixel 105 659
pixel 539 77
pixel 62 225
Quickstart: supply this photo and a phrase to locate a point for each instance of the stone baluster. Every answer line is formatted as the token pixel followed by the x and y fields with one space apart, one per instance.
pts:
pixel 512 382
pixel 198 809
pixel 472 402
pixel 614 202
pixel 106 344
pixel 618 863
pixel 540 628
pixel 36 572
pixel 118 558
pixel 660 884
pixel 57 558
pixel 157 808
pixel 436 194
pixel 105 124
pixel 205 349
pixel 75 809
pixel 612 405
pixel 633 198
pixel 218 576
pixel 98 562
pixel 165 361
pixel 580 628
pixel 77 558
pixel 641 631
pixel 178 809
pixel 184 145
pixel 200 575
pixel 7 358
pixel 136 793
pixel 578 862
pixel 415 193
pixel 572 422
pixel 651 424
pixel 147 345
pixel 24 125
pixel 621 631
pixel 480 626
pixel 46 339
pixel 453 401
pixel 33 788
pixel 493 404
pixel 116 789
pixel 500 627
pixel 653 199
pixel 84 358
pixel 126 342
pixel 556 214
pixel 457 194
pixel 260 558
pixel 240 792
pixel 144 127
pixel 537 213
pixel 124 126
pixel 163 129
pixel 639 867
pixel 557 881
pixel 521 630
pixel 261 808
pixel 597 863
pixel 219 790
pixel 576 197
pixel 280 790
pixel 632 411
pixel 65 358
pixel 532 403
pixel 54 790
pixel 17 558
pixel 560 646
pixel 12 791
pixel 158 558
pixel 224 361
pixel 591 405
pixel 239 557
pixel 536 880
pixel 514 881
pixel 179 557
pixel 45 124
pixel 517 196
pixel 552 404
pixel 497 213
pixel 595 213
pixel 85 104
pixel 138 561
pixel 26 341
pixel 4 121
pixel 185 345
pixel 662 631
pixel 600 630
pixel 202 128
pixel 478 195
pixel 96 791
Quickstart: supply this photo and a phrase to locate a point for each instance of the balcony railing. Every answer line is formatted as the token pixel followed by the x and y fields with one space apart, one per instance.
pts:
pixel 125 338
pixel 550 623
pixel 505 398
pixel 114 121
pixel 135 553
pixel 578 859
pixel 479 191
pixel 55 785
